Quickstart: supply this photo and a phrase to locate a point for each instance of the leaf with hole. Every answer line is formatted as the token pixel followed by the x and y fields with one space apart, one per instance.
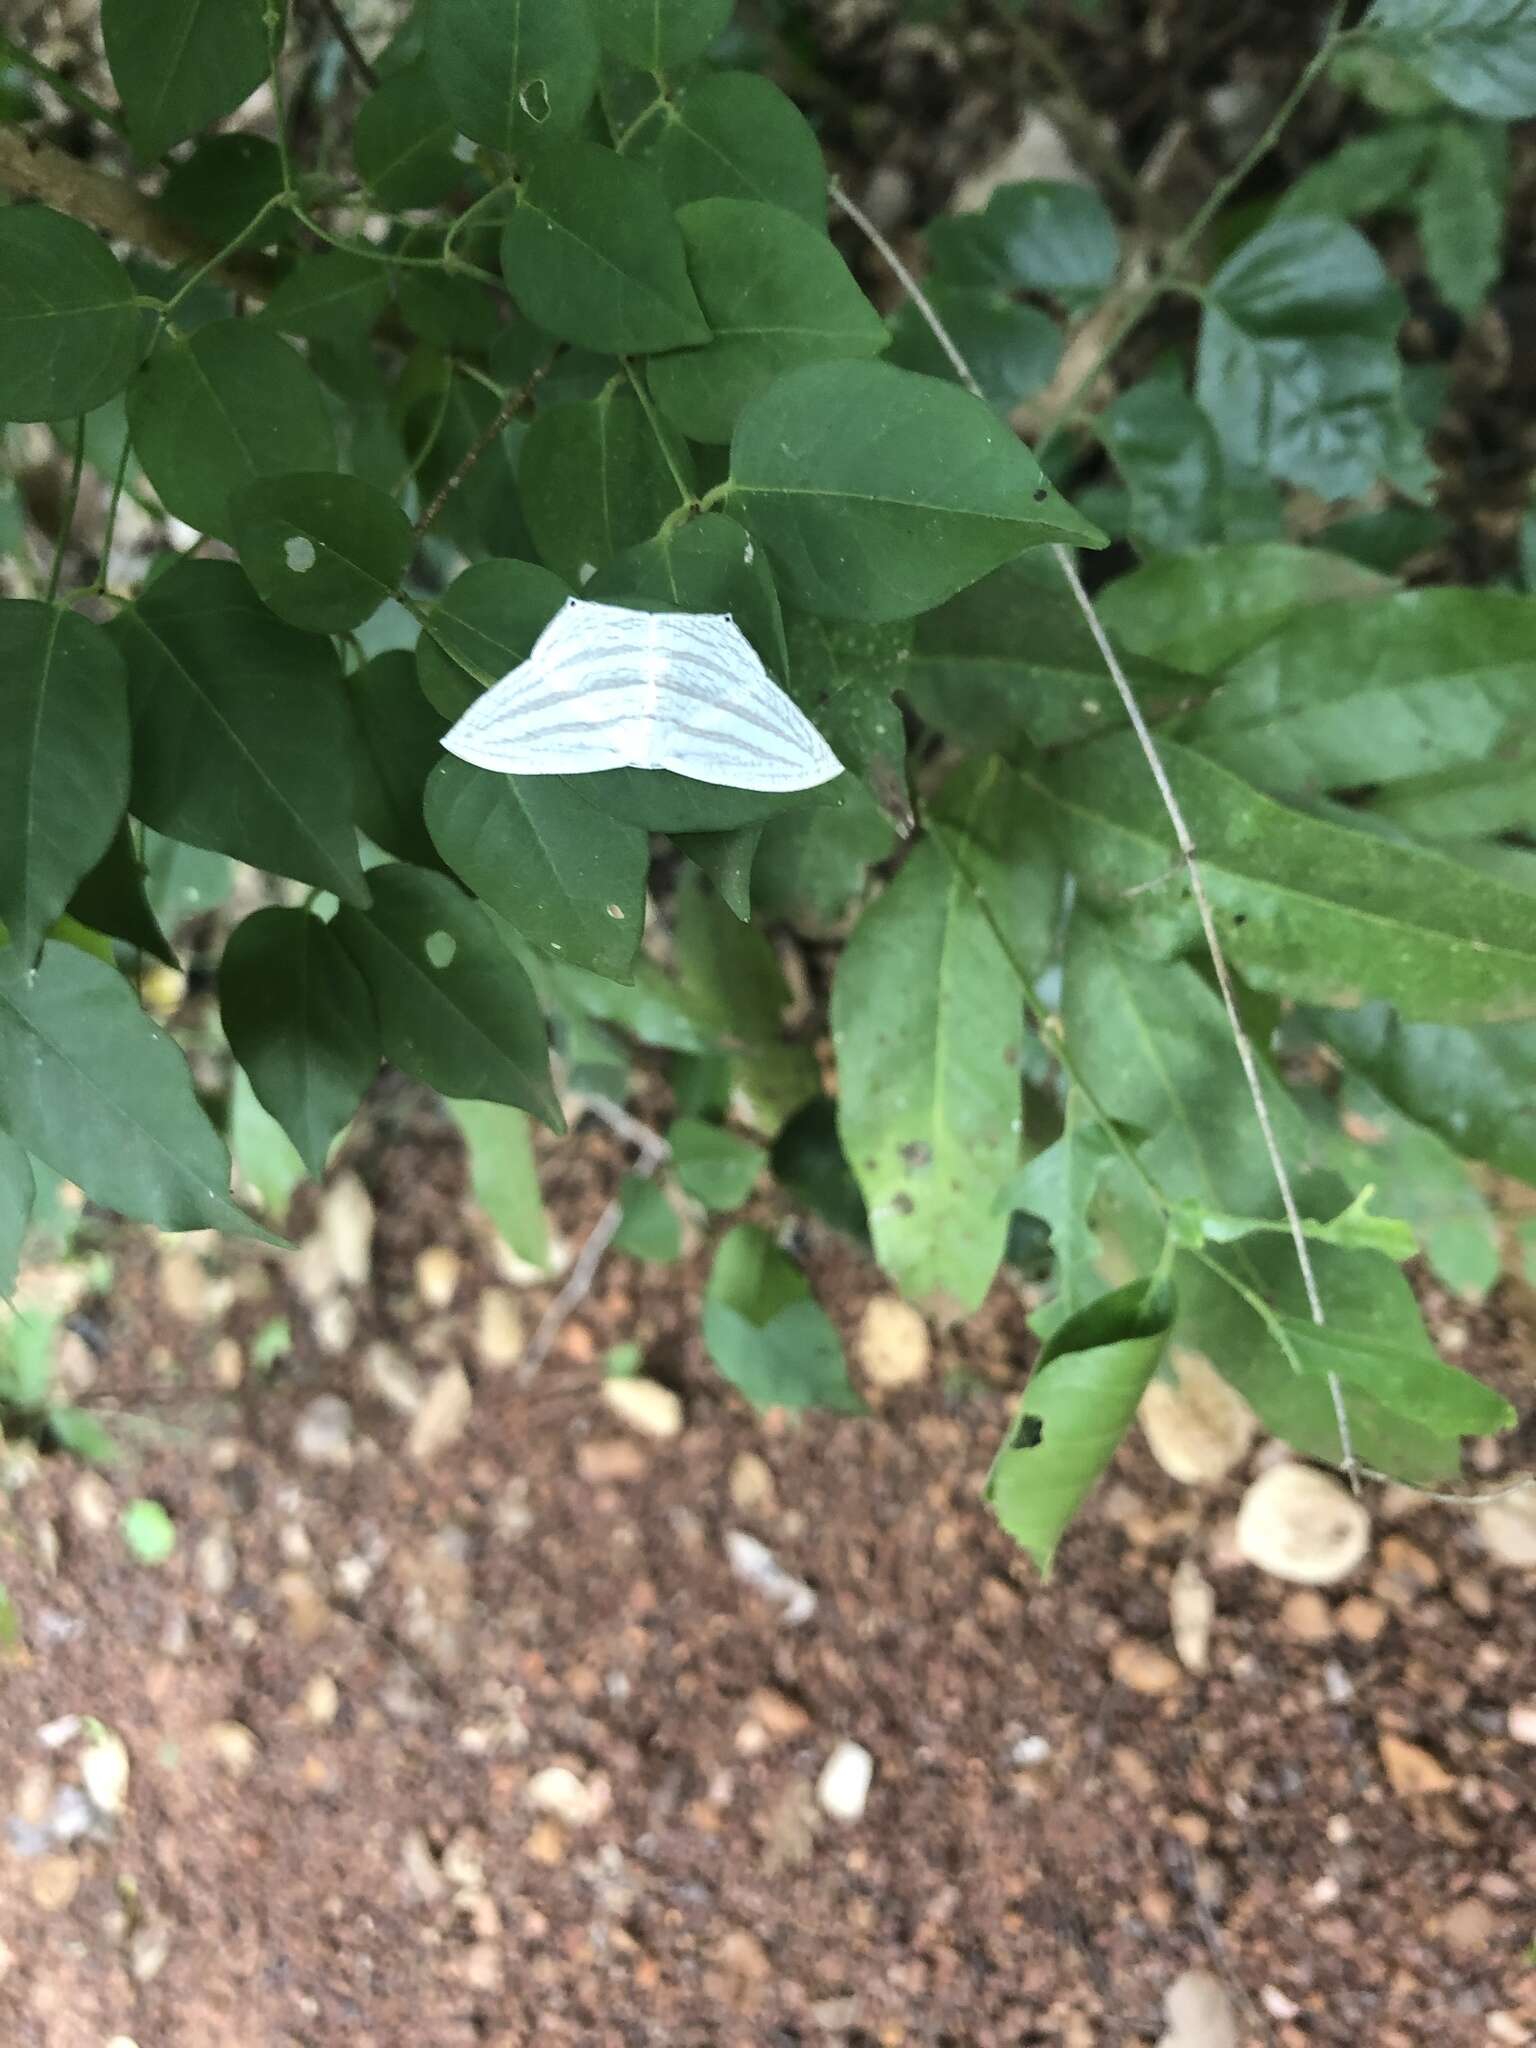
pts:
pixel 594 256
pixel 879 493
pixel 454 1007
pixel 240 728
pixel 63 761
pixel 215 412
pixel 299 1019
pixel 323 550
pixel 513 72
pixel 71 334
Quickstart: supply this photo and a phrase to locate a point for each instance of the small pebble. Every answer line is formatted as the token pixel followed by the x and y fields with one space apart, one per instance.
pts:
pixel 323 1433
pixel 214 1562
pixel 233 1745
pixel 443 1415
pixel 610 1461
pixel 1508 1527
pixel 228 1363
pixel 1144 1668
pixel 1192 1615
pixel 574 1800
pixel 1303 1525
pixel 438 1270
pixel 334 1324
pixel 92 1504
pixel 756 1566
pixel 104 1771
pixel 646 1405
pixel 1197 1426
pixel 1522 1723
pixel 750 1484
pixel 390 1376
pixel 842 1790
pixel 346 1227
pixel 1361 1619
pixel 322 1699
pixel 499 1331
pixel 1412 1772
pixel 1307 1616
pixel 1199 2013
pixel 893 1345
pixel 54 1882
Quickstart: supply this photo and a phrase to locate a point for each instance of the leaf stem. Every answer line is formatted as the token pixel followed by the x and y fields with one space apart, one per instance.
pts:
pixel 72 95
pixel 67 518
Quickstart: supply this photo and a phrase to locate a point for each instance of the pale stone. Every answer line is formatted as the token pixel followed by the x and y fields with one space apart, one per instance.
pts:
pixel 390 1375
pixel 576 1801
pixel 233 1745
pixel 499 1331
pixel 323 1433
pixel 646 1405
pixel 1412 1772
pixel 893 1345
pixel 750 1484
pixel 1522 1723
pixel 842 1790
pixel 1198 1428
pixel 610 1461
pixel 346 1225
pixel 437 1275
pixel 1508 1527
pixel 1300 1524
pixel 322 1699
pixel 1143 1668
pixel 104 1771
pixel 1192 1615
pixel 1199 2013
pixel 443 1415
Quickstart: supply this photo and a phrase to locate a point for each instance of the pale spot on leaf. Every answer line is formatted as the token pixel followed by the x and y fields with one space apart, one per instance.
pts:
pixel 440 948
pixel 299 554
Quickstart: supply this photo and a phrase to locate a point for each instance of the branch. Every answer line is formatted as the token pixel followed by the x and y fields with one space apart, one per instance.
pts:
pixel 341 28
pixel 71 94
pixel 494 427
pixel 33 169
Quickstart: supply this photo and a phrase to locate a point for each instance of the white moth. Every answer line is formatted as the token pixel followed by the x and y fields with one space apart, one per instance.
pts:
pixel 606 687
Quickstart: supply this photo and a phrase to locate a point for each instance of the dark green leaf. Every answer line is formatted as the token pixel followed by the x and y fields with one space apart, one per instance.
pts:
pixel 765 1333
pixel 1408 1379
pixel 397 742
pixel 594 256
pixel 63 761
pixel 1481 54
pixel 1461 210
pixel 707 565
pixel 240 740
pixel 513 72
pixel 92 1088
pixel 70 333
pixel 481 514
pixel 1305 906
pixel 299 1019
pixel 223 193
pixel 731 982
pixel 1012 350
pixel 504 1176
pixel 775 294
pixel 843 677
pixel 1087 1385
pixel 1298 367
pixel 450 311
pixel 813 864
pixel 180 64
pixel 183 881
pixel 658 35
pixel 323 550
pixel 1165 448
pixel 651 1228
pixel 726 857
pixel 17 1192
pixel 808 1161
pixel 989 830
pixel 563 875
pixel 112 898
pixel 1058 1185
pixel 715 1166
pixel 1367 175
pixel 733 135
pixel 484 624
pixel 211 414
pixel 454 1007
pixel 332 296
pixel 403 142
pixel 594 481
pixel 880 493
pixel 1039 235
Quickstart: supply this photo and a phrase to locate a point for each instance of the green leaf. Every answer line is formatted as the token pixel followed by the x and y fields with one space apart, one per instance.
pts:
pixel 1206 610
pixel 813 864
pixel 1306 906
pixel 63 761
pixel 397 742
pixel 300 1021
pixel 403 142
pixel 1355 1228
pixel 650 1228
pixel 594 256
pixel 1396 686
pixel 513 72
pixel 775 295
pixel 1367 175
pixel 454 1007
pixel 240 733
pixel 706 565
pixel 1058 1185
pixel 926 1020
pixel 658 35
pixel 1461 211
pixel 213 413
pixel 1013 350
pixel 27 1340
pixel 93 1089
pixel 734 135
pixel 1423 1181
pixel 715 1166
pixel 880 493
pixel 653 1008
pixel 183 881
pixel 1038 235
pixel 1475 1088
pixel 1408 1379
pixel 324 551
pixel 267 1168
pixel 1083 1397
pixel 983 821
pixel 71 334
pixel 843 678
pixel 17 1193
pixel 149 1532
pixel 808 1161
pixel 732 986
pixel 766 1335
pixel 563 875
pixel 1297 365
pixel 1014 657
pixel 479 630
pixel 594 481
pixel 223 193
pixel 1165 448
pixel 180 64
pixel 112 899
pixel 726 857
pixel 1481 54
pixel 503 1176
pixel 331 296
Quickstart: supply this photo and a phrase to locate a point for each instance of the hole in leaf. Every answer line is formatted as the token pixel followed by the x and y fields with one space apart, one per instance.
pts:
pixel 1030 1432
pixel 614 911
pixel 299 554
pixel 534 100
pixel 1041 495
pixel 440 948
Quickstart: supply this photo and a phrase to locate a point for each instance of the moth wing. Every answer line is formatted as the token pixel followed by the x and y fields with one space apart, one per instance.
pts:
pixel 575 706
pixel 721 718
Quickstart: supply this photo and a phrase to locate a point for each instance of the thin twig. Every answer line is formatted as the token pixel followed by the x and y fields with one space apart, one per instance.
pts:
pixel 503 417
pixel 72 95
pixel 654 1153
pixel 1456 1500
pixel 341 28
pixel 1066 562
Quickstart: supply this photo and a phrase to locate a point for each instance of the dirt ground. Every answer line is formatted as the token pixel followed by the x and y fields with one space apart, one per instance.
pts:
pixel 466 1731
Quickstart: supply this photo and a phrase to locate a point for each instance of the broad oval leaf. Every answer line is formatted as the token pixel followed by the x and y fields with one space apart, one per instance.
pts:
pixel 735 135
pixel 714 1165
pixel 1081 1400
pixel 63 761
pixel 658 35
pixel 300 1020
pixel 95 1090
pixel 1481 54
pixel 211 414
pixel 593 255
pixel 454 1007
pixel 403 142
pixel 503 1176
pixel 1039 235
pixel 323 550
pixel 1408 1379
pixel 880 492
pixel 513 72
pixel 331 296
pixel 482 626
pixel 1013 351
pixel 224 193
pixel 594 480
pixel 563 875
pixel 765 1333
pixel 240 740
pixel 113 898
pixel 180 64
pixel 776 294
pixel 71 333
pixel 397 742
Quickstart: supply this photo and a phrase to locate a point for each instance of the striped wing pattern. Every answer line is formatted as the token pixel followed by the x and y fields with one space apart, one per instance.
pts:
pixel 606 687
